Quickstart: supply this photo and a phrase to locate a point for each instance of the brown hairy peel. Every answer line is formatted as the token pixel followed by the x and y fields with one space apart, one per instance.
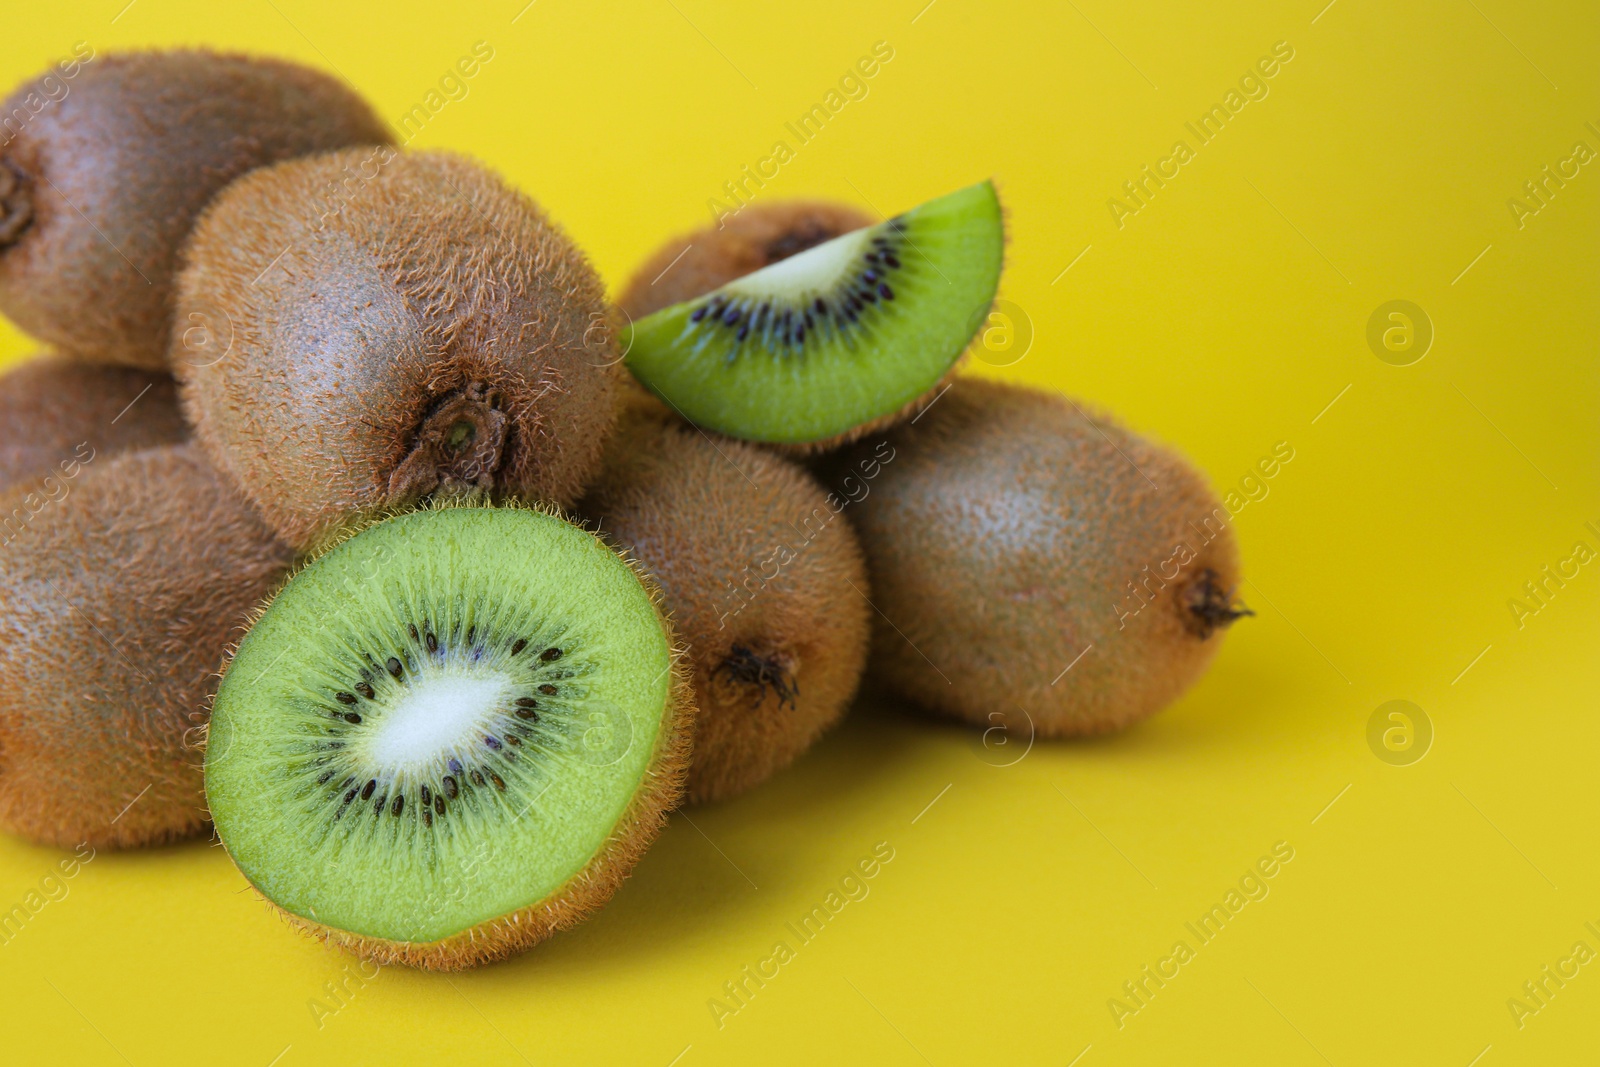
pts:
pixel 422 329
pixel 764 580
pixel 117 602
pixel 641 823
pixel 58 415
pixel 115 161
pixel 1013 536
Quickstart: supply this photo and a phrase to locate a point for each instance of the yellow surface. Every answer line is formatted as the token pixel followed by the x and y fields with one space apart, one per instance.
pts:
pixel 1225 316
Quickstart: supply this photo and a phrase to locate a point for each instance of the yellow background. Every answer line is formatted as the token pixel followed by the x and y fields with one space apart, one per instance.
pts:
pixel 1223 317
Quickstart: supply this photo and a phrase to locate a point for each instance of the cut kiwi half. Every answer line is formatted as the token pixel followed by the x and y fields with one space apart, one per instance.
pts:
pixel 835 340
pixel 449 736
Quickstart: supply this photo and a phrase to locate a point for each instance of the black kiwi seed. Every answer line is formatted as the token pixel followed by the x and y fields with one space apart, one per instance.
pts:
pixel 438 804
pixel 527 702
pixel 699 313
pixel 366 792
pixel 427 796
pixel 351 795
pixel 492 742
pixel 366 690
pixel 518 645
pixel 450 787
pixel 377 807
pixel 455 765
pixel 325 776
pixel 399 804
pixel 433 643
pixel 394 666
pixel 427 817
pixel 499 783
pixel 511 739
pixel 414 634
pixel 477 777
pixel 345 698
pixel 351 717
pixel 885 292
pixel 548 690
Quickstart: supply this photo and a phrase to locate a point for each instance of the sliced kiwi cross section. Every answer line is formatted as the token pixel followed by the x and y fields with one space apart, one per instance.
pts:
pixel 449 735
pixel 834 337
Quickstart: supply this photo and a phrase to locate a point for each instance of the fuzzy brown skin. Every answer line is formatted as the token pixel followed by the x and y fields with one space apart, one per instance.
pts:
pixel 1008 533
pixel 758 236
pixel 57 413
pixel 117 603
pixel 763 579
pixel 102 185
pixel 425 330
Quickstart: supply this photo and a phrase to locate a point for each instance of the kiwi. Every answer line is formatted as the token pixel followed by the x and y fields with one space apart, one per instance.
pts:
pixel 449 736
pixel 763 579
pixel 758 236
pixel 430 333
pixel 1034 563
pixel 117 603
pixel 60 414
pixel 834 342
pixel 112 164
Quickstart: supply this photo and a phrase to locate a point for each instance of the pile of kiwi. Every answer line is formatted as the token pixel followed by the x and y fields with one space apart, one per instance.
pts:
pixel 344 517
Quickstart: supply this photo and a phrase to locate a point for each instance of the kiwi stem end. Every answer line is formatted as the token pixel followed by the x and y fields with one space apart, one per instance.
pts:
pixel 1208 605
pixel 458 448
pixel 16 202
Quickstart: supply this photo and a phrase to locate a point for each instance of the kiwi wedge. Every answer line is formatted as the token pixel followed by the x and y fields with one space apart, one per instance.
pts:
pixel 450 735
pixel 838 340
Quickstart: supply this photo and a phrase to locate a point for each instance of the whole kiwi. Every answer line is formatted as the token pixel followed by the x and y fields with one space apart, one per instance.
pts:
pixel 105 163
pixel 764 582
pixel 56 415
pixel 1036 564
pixel 422 329
pixel 117 604
pixel 757 236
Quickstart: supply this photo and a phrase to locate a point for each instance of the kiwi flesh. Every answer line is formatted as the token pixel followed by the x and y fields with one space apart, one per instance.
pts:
pixel 758 236
pixel 435 334
pixel 117 603
pixel 1041 568
pixel 100 185
pixel 834 342
pixel 764 581
pixel 449 736
pixel 59 415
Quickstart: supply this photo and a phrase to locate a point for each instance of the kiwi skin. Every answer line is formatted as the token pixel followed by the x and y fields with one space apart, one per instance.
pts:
pixel 758 236
pixel 1010 532
pixel 425 331
pixel 117 604
pixel 58 412
pixel 104 182
pixel 586 891
pixel 777 660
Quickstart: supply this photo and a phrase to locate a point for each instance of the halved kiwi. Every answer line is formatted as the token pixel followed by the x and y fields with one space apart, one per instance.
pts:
pixel 449 736
pixel 836 341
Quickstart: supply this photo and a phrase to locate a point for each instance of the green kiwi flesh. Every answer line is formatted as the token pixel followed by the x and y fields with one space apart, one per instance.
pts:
pixel 834 337
pixel 449 735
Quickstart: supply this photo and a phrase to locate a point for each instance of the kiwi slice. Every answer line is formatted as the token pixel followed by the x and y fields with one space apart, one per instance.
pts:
pixel 450 735
pixel 836 340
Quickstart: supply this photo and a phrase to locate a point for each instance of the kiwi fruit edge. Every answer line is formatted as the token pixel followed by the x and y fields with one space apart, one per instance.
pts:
pixel 776 658
pixel 498 937
pixel 102 184
pixel 117 603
